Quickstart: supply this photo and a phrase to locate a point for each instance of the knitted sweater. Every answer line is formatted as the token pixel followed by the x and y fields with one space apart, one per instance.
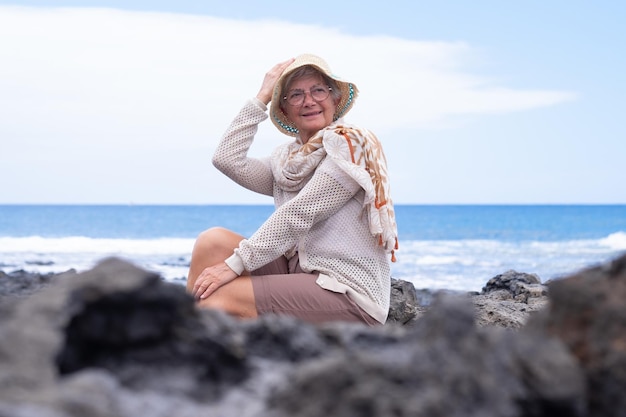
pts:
pixel 325 221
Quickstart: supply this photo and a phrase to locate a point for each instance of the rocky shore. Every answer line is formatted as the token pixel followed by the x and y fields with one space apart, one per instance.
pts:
pixel 120 341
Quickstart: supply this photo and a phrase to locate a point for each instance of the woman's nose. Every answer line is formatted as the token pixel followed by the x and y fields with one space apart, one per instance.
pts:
pixel 308 98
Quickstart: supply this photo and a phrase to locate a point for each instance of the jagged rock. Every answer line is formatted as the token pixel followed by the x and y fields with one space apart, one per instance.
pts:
pixel 587 312
pixel 508 300
pixel 121 319
pixel 519 286
pixel 444 366
pixel 282 338
pixel 404 306
pixel 117 341
pixel 21 283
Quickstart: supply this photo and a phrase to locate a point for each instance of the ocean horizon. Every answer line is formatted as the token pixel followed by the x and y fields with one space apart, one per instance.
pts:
pixel 455 247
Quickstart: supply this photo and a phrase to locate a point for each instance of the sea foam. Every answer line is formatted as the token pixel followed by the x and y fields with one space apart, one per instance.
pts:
pixel 464 264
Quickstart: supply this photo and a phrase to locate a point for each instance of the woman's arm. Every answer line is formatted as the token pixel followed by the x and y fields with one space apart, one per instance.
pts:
pixel 328 190
pixel 231 155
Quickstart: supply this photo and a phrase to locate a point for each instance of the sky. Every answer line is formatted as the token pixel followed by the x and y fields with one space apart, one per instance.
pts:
pixel 475 102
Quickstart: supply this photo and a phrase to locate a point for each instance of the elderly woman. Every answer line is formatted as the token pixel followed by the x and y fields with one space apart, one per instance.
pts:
pixel 324 253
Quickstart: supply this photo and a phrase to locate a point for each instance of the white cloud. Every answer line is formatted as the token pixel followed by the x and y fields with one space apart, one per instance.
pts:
pixel 94 82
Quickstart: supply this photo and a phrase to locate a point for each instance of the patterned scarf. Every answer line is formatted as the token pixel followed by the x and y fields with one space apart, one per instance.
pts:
pixel 359 153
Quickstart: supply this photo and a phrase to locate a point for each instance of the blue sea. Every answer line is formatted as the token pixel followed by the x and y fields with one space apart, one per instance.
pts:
pixel 441 246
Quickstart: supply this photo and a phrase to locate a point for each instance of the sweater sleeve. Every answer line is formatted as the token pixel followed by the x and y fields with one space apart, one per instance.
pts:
pixel 326 192
pixel 231 155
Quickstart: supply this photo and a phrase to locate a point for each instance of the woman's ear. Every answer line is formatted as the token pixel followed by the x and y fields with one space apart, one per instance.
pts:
pixel 280 107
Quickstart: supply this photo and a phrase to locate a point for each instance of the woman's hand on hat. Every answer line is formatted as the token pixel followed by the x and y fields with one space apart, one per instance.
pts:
pixel 211 279
pixel 267 88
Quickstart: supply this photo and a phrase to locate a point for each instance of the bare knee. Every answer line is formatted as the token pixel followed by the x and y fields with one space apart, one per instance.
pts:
pixel 212 246
pixel 216 239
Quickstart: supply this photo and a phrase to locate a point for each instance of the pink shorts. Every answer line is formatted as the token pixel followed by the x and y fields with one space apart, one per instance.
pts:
pixel 281 287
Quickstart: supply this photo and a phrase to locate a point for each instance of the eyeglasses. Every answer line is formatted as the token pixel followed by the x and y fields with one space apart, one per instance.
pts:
pixel 318 93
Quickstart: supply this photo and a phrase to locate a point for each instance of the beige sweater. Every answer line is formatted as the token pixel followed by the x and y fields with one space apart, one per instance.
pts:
pixel 325 221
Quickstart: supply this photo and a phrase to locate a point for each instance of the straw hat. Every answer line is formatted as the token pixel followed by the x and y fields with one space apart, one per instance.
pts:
pixel 349 93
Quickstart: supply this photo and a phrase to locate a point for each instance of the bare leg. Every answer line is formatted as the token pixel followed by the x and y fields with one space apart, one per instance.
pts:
pixel 214 246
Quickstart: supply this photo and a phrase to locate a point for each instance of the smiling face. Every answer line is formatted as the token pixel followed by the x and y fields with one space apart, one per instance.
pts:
pixel 311 115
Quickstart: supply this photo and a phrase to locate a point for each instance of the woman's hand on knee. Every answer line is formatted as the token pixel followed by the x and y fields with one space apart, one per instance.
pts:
pixel 211 279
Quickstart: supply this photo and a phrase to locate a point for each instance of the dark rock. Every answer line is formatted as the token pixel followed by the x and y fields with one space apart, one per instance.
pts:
pixel 508 300
pixel 118 341
pixel 21 283
pixel 444 366
pixel 587 312
pixel 404 306
pixel 518 285
pixel 282 338
pixel 492 311
pixel 124 320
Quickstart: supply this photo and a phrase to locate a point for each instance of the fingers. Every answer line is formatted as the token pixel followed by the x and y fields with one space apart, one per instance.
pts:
pixel 271 77
pixel 210 289
pixel 211 279
pixel 203 288
pixel 279 68
pixel 205 284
